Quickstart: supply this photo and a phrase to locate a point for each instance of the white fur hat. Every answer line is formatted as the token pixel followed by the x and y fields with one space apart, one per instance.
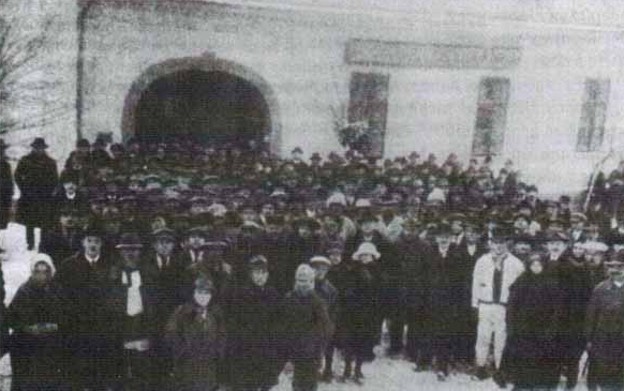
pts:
pixel 45 258
pixel 305 271
pixel 366 248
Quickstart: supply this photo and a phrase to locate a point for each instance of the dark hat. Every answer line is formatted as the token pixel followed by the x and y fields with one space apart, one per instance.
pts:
pixel 83 143
pixel 502 232
pixel 215 245
pixel 367 217
pixel 316 157
pixel 93 229
pixel 524 238
pixel 164 233
pixel 276 219
pixel 297 150
pixel 336 246
pixel 311 223
pixel 39 143
pixel 129 240
pixel 69 177
pixel 555 235
pixel 442 229
pixel 203 284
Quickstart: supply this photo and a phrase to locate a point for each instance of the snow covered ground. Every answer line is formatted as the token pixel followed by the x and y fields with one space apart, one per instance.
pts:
pixel 382 374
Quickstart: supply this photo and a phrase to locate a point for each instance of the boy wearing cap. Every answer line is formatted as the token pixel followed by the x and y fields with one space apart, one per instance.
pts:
pixel 604 329
pixel 196 334
pixel 493 274
pixel 306 329
pixel 253 315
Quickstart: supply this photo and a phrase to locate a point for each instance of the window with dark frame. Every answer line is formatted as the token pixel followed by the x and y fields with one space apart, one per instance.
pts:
pixel 593 115
pixel 368 105
pixel 489 132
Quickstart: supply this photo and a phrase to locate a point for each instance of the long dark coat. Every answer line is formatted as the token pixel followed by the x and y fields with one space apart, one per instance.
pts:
pixel 36 358
pixel 253 315
pixel 306 326
pixel 604 325
pixel 359 311
pixel 37 178
pixel 85 290
pixel 197 340
pixel 142 326
pixel 533 314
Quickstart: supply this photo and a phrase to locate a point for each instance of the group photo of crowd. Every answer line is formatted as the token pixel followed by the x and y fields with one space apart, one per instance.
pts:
pixel 179 265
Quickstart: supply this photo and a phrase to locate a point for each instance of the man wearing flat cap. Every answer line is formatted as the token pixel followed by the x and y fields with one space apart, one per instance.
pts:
pixel 493 274
pixel 604 329
pixel 37 177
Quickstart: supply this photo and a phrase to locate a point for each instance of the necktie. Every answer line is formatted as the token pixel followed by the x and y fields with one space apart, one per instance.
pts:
pixel 497 284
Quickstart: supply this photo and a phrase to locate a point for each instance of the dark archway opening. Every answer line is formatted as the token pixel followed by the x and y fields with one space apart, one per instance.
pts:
pixel 213 108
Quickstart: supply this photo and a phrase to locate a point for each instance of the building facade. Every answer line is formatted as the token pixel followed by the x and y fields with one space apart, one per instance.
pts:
pixel 540 86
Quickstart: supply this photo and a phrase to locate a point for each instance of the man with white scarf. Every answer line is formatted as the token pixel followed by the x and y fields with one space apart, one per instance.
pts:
pixel 133 298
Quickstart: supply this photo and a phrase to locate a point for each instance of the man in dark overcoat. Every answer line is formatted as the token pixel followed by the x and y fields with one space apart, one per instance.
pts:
pixel 84 282
pixel 133 302
pixel 252 320
pixel 37 177
pixel 604 327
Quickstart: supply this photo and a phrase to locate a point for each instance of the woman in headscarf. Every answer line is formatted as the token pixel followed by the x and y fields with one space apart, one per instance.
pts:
pixel 34 315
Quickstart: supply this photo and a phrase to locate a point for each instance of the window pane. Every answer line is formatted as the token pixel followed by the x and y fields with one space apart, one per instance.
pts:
pixel 593 115
pixel 369 105
pixel 491 116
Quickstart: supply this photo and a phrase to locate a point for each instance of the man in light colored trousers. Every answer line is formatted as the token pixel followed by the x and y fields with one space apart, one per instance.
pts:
pixel 493 274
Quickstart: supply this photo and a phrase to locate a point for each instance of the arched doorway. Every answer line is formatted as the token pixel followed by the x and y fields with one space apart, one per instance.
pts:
pixel 214 101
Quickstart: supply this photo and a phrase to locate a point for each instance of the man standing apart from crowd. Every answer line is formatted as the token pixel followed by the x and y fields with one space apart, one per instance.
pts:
pixel 604 329
pixel 37 177
pixel 493 274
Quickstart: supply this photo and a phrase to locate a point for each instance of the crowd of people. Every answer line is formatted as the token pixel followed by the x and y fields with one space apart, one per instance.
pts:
pixel 185 266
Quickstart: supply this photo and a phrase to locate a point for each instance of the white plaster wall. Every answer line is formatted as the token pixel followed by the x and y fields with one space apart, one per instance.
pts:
pixel 301 57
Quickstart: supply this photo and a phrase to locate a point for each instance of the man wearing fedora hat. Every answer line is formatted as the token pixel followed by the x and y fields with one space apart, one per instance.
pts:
pixel 84 280
pixel 6 186
pixel 37 177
